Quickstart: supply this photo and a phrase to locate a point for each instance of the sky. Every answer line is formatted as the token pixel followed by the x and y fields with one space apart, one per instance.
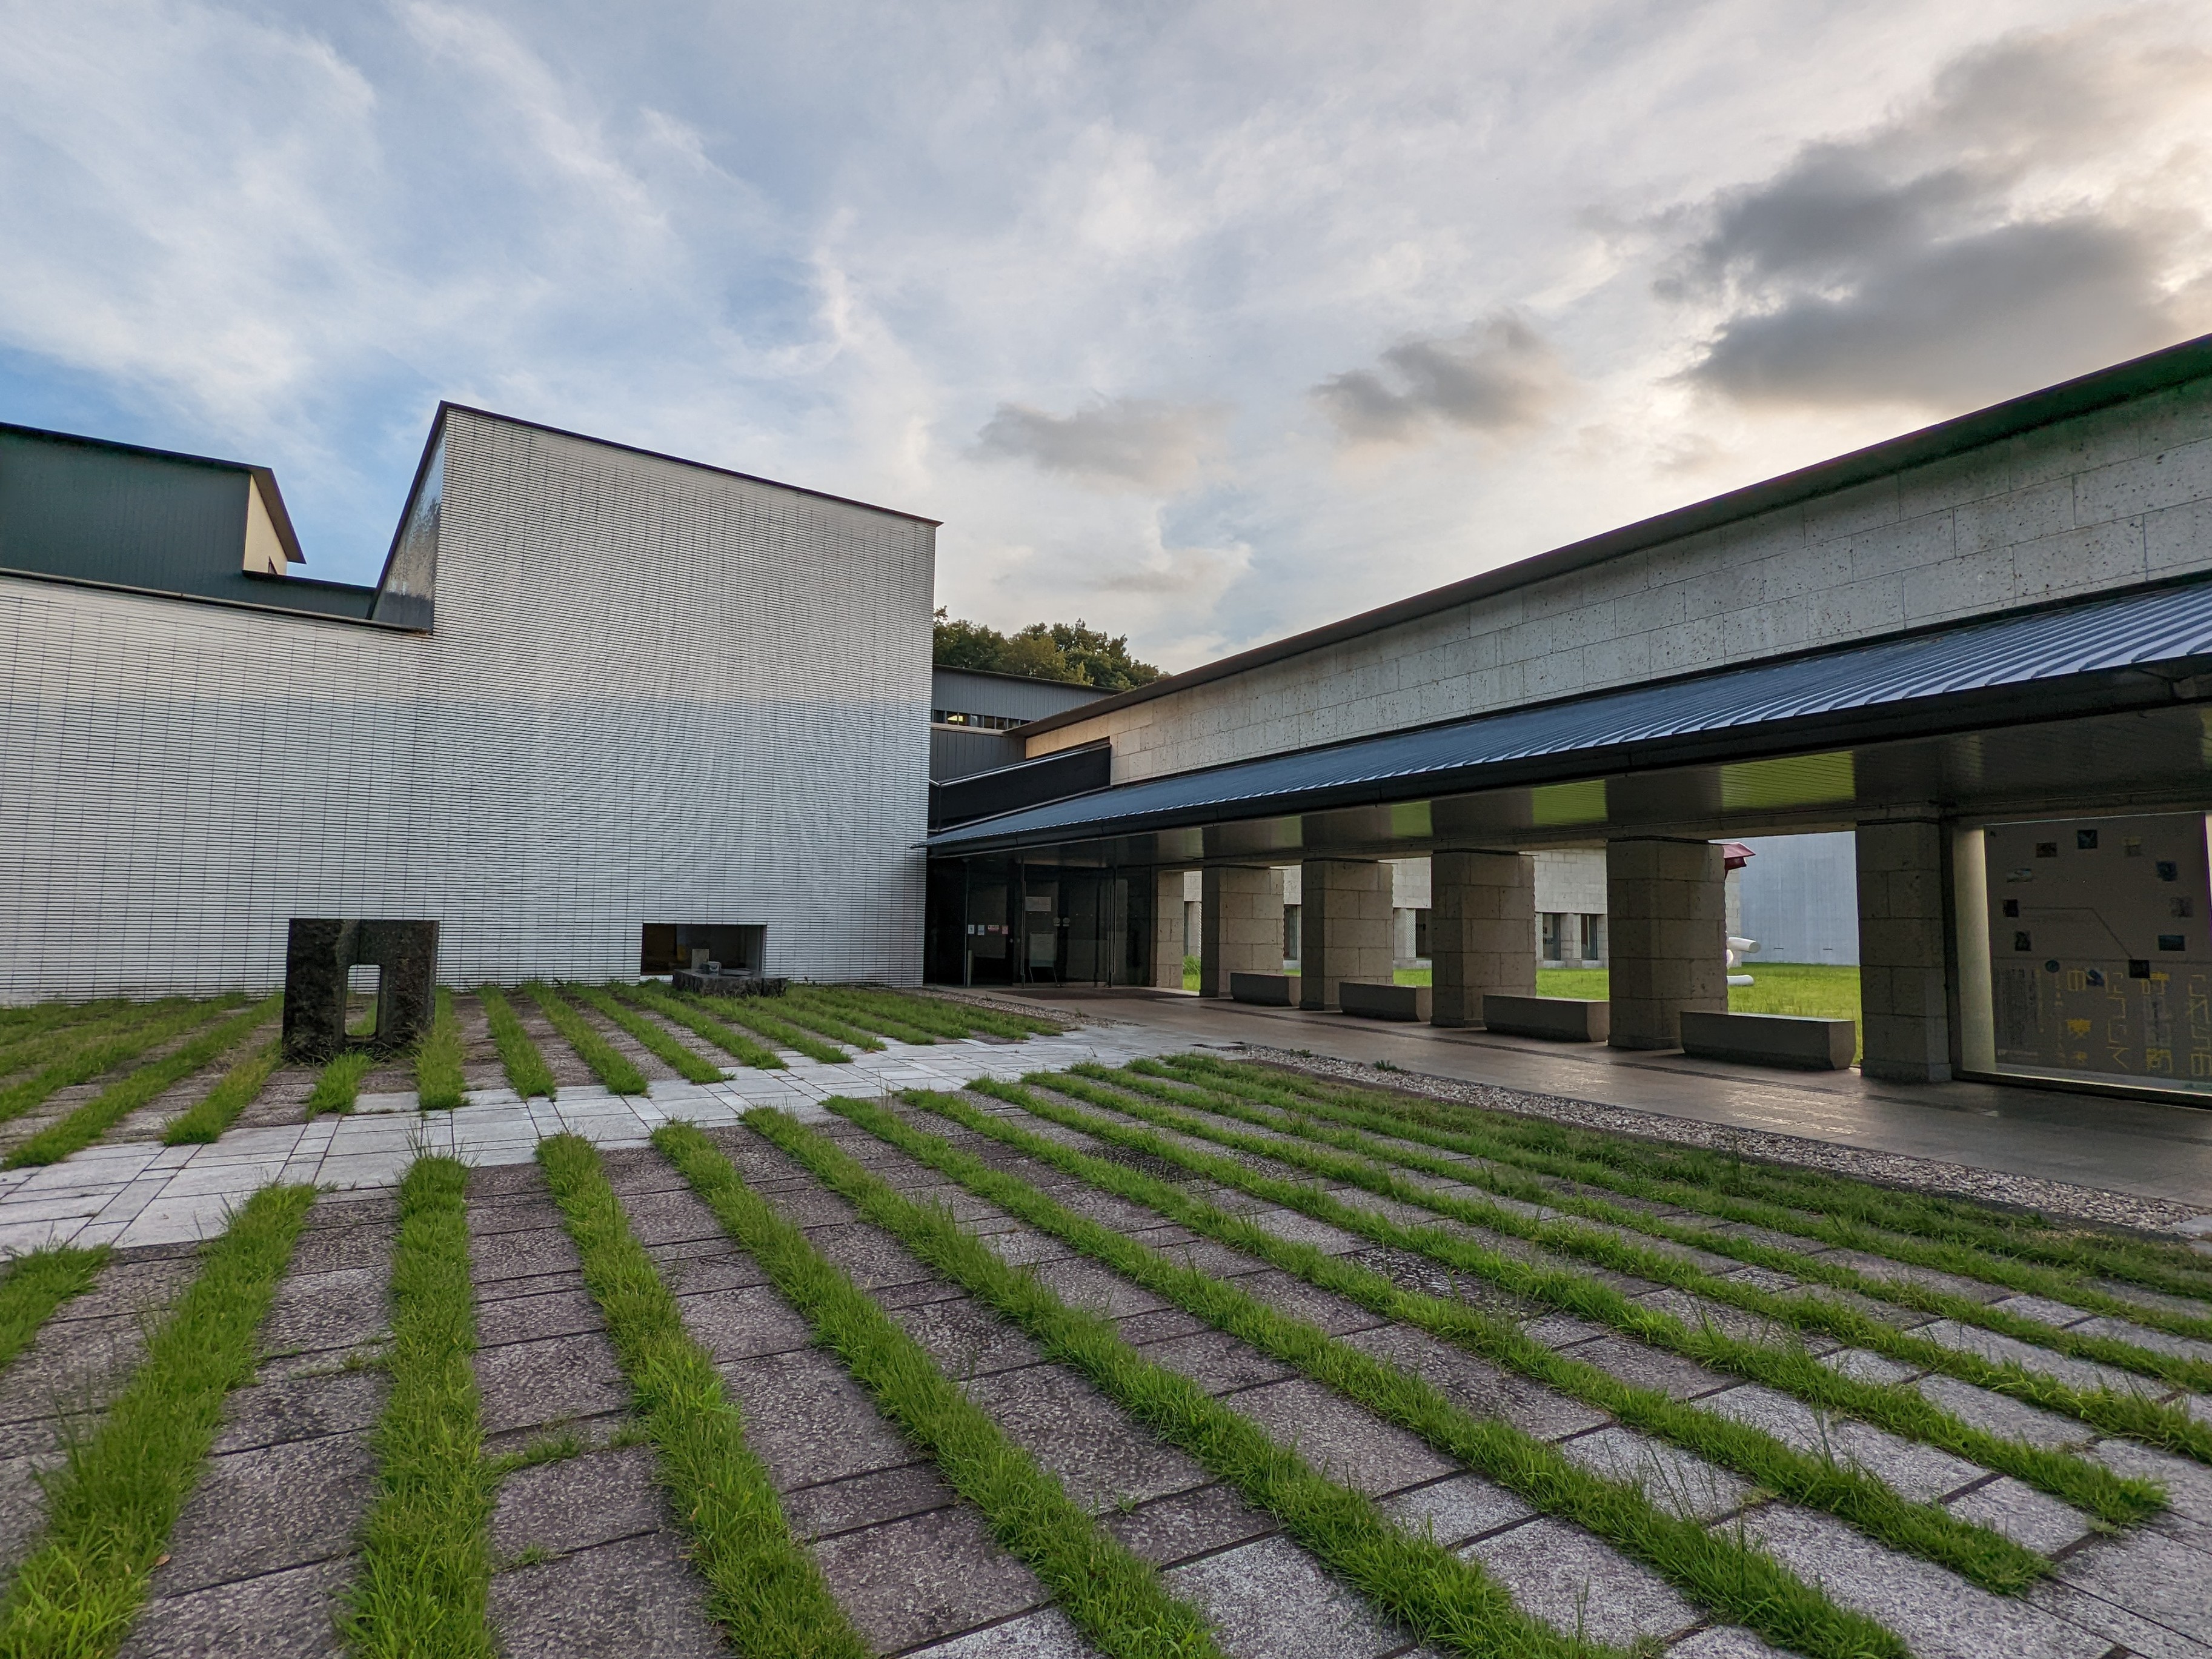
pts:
pixel 1204 323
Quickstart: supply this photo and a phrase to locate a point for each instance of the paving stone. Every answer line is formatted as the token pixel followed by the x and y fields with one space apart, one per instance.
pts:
pixel 1571 1581
pixel 1082 1284
pixel 1411 1270
pixel 737 1324
pixel 1918 1473
pixel 2188 1484
pixel 141 1287
pixel 279 1615
pixel 1304 1229
pixel 1700 1314
pixel 1045 1634
pixel 1938 1614
pixel 1998 1348
pixel 1270 1600
pixel 1160 1325
pixel 2001 1414
pixel 1561 1330
pixel 2022 1514
pixel 1475 1385
pixel 809 1422
pixel 72 1366
pixel 864 1500
pixel 346 1308
pixel 300 1408
pixel 1217 1361
pixel 966 1339
pixel 1344 1442
pixel 1334 1313
pixel 1202 1255
pixel 870 1258
pixel 1881 1266
pixel 1724 1642
pixel 720 1269
pixel 2039 1307
pixel 1102 1458
pixel 633 1597
pixel 577 1503
pixel 1186 1525
pixel 2136 1637
pixel 569 1311
pixel 23 1504
pixel 2120 1330
pixel 497 1258
pixel 538 1384
pixel 1026 1247
pixel 522 1212
pixel 1454 1509
pixel 1678 1482
pixel 1864 1365
pixel 925 1577
pixel 670 1217
pixel 274 1507
pixel 1650 1367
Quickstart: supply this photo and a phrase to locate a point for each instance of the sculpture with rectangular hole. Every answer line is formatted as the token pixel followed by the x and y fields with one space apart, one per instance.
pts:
pixel 319 958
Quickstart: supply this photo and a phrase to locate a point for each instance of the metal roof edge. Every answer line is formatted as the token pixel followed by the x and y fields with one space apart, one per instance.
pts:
pixel 446 405
pixel 228 604
pixel 1016 679
pixel 2157 371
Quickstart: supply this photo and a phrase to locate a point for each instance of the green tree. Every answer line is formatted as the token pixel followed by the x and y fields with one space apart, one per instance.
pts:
pixel 1073 653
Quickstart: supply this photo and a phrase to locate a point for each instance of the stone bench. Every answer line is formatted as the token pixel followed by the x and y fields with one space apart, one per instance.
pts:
pixel 1372 1001
pixel 1268 990
pixel 1557 1019
pixel 1810 1045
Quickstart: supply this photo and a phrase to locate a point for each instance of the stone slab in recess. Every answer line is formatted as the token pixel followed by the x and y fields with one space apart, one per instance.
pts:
pixel 1557 1019
pixel 1791 1039
pixel 1266 990
pixel 1372 1001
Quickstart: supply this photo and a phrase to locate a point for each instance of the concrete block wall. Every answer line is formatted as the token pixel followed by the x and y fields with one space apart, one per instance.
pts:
pixel 1168 929
pixel 1346 921
pixel 1667 912
pixel 1242 926
pixel 655 693
pixel 1904 1006
pixel 1481 940
pixel 2103 500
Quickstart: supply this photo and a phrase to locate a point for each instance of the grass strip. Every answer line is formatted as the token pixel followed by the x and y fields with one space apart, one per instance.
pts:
pixel 425 1571
pixel 796 1007
pixel 37 1042
pixel 337 1085
pixel 38 1283
pixel 2157 1265
pixel 747 1012
pixel 218 1108
pixel 441 1085
pixel 1115 1599
pixel 608 1064
pixel 935 1014
pixel 110 1507
pixel 1975 1553
pixel 764 1588
pixel 2112 1499
pixel 657 1039
pixel 2177 1371
pixel 1471 1139
pixel 859 1013
pixel 94 1119
pixel 1407 1576
pixel 739 1047
pixel 108 1049
pixel 528 1073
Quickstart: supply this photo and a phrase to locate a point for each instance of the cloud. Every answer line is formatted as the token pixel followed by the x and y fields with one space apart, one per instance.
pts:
pixel 1499 376
pixel 1956 252
pixel 1116 443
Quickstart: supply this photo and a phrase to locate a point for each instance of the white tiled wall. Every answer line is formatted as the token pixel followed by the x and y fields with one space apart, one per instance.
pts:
pixel 2099 501
pixel 655 693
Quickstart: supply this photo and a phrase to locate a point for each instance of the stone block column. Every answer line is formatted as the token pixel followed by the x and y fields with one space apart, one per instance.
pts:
pixel 1905 1015
pixel 1240 927
pixel 1667 911
pixel 1167 930
pixel 1482 932
pixel 1344 924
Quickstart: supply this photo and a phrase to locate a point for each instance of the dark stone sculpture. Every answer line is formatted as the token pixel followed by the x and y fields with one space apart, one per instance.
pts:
pixel 316 958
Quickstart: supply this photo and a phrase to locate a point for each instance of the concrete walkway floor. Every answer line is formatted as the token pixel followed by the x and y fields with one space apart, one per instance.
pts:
pixel 2140 1147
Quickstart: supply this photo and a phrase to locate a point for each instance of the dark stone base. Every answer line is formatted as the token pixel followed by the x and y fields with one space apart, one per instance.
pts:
pixel 729 985
pixel 317 957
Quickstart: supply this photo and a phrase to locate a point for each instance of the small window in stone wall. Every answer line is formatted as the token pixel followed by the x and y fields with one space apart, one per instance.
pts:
pixel 1420 932
pixel 364 980
pixel 1592 937
pixel 1554 935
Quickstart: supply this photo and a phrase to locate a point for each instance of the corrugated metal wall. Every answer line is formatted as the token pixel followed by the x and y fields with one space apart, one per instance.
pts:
pixel 656 694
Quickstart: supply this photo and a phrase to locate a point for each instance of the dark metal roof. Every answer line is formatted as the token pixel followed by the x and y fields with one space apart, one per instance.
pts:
pixel 2139 377
pixel 2088 657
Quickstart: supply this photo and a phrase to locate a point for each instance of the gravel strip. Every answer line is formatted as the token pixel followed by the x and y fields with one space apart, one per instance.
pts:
pixel 2053 1198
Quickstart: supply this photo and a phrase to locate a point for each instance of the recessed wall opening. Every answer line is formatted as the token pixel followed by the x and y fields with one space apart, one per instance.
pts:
pixel 364 980
pixel 666 946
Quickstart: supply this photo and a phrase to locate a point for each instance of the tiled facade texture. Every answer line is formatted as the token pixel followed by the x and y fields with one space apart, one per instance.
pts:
pixel 655 693
pixel 2098 501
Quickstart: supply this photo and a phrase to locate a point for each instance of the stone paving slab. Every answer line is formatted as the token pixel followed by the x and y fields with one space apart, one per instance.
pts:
pixel 1568 1579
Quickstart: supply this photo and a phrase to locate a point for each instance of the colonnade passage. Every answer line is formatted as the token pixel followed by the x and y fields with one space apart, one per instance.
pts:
pixel 1666 926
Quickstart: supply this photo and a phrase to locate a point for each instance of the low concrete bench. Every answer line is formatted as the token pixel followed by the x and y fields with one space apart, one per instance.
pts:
pixel 1558 1019
pixel 1372 1001
pixel 1810 1045
pixel 1268 990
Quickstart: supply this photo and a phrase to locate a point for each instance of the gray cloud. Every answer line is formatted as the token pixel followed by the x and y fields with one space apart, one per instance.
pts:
pixel 1499 376
pixel 1942 256
pixel 1117 442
